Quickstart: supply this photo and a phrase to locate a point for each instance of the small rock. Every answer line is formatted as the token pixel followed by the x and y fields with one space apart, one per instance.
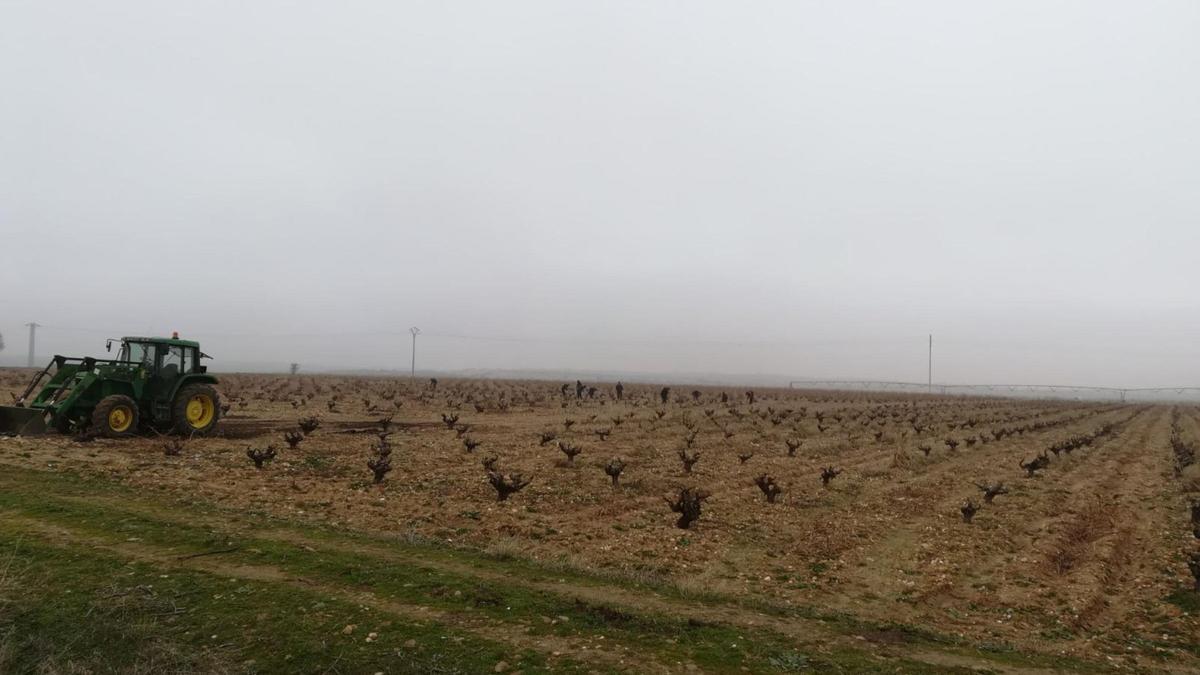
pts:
pixel 501 666
pixel 349 629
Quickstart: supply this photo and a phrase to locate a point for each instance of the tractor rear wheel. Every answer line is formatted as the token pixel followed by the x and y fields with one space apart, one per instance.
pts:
pixel 115 416
pixel 196 410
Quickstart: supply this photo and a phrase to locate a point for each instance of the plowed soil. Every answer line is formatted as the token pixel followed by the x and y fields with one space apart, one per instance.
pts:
pixel 1084 559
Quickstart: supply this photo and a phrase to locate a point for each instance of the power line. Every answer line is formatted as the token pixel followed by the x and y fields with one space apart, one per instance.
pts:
pixel 580 340
pixel 890 385
pixel 657 342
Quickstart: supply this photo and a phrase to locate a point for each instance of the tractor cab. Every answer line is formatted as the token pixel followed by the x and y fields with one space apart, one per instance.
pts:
pixel 162 357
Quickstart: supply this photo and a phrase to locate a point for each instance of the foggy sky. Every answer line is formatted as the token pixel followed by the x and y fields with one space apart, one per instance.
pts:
pixel 801 188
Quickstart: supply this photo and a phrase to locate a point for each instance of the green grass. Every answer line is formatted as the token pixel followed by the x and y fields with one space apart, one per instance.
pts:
pixel 1186 599
pixel 713 647
pixel 73 609
pixel 405 572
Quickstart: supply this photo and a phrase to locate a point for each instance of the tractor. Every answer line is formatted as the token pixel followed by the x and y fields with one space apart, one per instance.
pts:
pixel 154 383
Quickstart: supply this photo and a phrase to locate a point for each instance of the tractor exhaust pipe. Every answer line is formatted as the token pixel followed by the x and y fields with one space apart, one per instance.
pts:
pixel 22 421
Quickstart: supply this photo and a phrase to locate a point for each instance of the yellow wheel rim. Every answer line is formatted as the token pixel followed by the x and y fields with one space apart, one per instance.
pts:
pixel 120 418
pixel 200 410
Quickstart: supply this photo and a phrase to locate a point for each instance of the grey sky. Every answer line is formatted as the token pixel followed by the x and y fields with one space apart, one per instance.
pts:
pixel 796 187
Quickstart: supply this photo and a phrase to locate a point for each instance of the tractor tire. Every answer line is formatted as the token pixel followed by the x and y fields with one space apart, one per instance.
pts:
pixel 115 416
pixel 196 410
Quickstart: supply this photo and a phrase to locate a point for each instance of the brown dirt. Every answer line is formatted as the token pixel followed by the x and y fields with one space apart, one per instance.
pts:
pixel 1078 560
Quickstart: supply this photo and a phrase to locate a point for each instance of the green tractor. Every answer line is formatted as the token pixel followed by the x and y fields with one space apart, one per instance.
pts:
pixel 153 383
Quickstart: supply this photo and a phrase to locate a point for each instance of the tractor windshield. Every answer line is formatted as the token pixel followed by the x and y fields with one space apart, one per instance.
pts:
pixel 138 352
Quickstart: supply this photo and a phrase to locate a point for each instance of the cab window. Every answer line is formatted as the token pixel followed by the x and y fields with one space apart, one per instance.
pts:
pixel 173 361
pixel 131 351
pixel 142 353
pixel 189 360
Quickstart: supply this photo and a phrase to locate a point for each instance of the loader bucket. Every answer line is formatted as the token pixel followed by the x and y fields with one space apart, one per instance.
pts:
pixel 22 421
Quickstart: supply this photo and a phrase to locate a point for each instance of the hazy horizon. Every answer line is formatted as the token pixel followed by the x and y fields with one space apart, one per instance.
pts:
pixel 796 189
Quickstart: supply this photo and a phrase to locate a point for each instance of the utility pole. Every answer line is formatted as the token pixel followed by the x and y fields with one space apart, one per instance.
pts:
pixel 32 334
pixel 415 332
pixel 931 363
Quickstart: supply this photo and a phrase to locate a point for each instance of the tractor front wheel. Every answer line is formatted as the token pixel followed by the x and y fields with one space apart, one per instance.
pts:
pixel 196 410
pixel 115 416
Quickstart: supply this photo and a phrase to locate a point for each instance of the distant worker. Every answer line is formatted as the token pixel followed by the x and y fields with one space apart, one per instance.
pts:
pixel 620 391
